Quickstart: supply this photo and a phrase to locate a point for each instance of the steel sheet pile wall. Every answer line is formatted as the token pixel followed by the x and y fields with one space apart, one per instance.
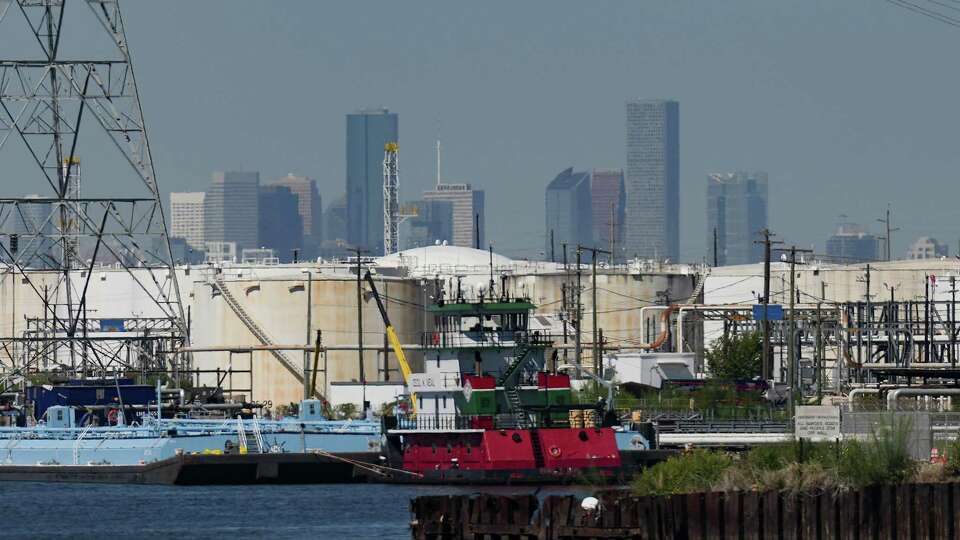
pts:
pixel 904 511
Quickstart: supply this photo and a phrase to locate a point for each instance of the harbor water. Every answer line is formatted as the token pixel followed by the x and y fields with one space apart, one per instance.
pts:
pixel 350 511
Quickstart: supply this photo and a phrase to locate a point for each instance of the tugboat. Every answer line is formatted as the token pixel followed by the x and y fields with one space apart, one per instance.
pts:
pixel 487 410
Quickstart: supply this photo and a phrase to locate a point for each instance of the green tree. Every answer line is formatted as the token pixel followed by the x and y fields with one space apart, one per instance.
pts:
pixel 735 357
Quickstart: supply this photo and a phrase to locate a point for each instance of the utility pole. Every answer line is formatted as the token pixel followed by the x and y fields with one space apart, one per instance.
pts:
pixel 716 258
pixel 577 352
pixel 552 254
pixel 307 391
pixel 597 361
pixel 613 232
pixel 886 223
pixel 952 321
pixel 363 378
pixel 869 299
pixel 767 363
pixel 794 370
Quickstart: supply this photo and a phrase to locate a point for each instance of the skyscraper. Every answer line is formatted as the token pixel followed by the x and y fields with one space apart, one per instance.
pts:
pixel 608 194
pixel 653 179
pixel 433 223
pixel 231 209
pixel 467 212
pixel 310 208
pixel 186 218
pixel 31 222
pixel 281 227
pixel 852 243
pixel 368 131
pixel 736 211
pixel 569 211
pixel 927 247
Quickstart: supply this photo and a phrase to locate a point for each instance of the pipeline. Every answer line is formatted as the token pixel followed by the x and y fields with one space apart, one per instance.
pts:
pixel 899 392
pixel 664 329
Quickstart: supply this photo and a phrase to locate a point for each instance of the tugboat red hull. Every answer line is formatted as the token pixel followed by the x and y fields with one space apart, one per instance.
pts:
pixel 508 456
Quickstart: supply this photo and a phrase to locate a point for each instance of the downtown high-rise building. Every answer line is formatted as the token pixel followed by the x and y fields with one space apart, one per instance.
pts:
pixel 608 195
pixel 736 213
pixel 852 243
pixel 468 214
pixel 368 132
pixel 653 179
pixel 433 223
pixel 310 209
pixel 30 223
pixel 186 218
pixel 280 222
pixel 927 247
pixel 568 211
pixel 231 210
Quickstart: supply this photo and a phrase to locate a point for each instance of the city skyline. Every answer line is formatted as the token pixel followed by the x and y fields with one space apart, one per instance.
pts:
pixel 773 106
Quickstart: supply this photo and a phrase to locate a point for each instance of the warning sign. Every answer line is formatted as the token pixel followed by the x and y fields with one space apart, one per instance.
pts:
pixel 818 423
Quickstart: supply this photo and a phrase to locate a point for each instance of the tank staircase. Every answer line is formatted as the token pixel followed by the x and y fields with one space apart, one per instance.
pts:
pixel 699 288
pixel 255 328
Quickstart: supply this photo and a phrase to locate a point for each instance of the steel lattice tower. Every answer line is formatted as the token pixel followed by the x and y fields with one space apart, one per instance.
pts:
pixel 391 198
pixel 54 243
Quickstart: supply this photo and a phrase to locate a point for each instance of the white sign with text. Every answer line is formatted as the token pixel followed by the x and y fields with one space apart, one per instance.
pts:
pixel 818 423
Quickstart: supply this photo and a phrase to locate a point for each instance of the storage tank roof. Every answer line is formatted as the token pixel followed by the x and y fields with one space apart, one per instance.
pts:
pixel 441 257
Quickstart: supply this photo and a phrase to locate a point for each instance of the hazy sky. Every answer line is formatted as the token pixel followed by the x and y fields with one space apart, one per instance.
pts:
pixel 847 105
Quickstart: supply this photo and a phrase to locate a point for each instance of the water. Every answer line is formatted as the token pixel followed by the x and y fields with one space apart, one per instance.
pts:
pixel 352 511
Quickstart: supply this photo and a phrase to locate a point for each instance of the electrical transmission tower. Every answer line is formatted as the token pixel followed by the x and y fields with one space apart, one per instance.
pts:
pixel 393 215
pixel 67 89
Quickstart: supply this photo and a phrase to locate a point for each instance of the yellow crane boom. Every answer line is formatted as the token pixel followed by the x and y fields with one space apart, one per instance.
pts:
pixel 394 341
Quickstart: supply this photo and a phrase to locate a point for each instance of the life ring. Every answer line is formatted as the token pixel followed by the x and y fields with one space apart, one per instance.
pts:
pixel 436 338
pixel 555 451
pixel 112 416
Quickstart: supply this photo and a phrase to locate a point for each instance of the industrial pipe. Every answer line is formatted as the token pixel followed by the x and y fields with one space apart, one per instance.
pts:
pixel 857 391
pixel 664 329
pixel 895 394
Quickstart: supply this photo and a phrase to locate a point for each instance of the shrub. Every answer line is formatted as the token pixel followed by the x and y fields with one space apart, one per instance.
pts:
pixel 883 459
pixel 698 470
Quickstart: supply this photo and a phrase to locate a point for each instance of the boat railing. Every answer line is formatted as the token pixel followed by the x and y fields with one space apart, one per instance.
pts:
pixel 241 435
pixel 435 422
pixel 440 339
pixel 76 445
pixel 257 434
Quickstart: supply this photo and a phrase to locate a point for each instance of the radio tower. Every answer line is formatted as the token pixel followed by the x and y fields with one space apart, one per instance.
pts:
pixel 393 215
pixel 51 99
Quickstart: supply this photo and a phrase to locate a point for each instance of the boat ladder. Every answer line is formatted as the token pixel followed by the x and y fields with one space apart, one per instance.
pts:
pixel 520 416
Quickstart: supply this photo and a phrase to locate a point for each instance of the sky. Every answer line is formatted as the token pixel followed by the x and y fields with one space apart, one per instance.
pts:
pixel 848 106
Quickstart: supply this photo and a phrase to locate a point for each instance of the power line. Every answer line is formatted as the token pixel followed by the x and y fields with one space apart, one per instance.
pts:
pixel 929 13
